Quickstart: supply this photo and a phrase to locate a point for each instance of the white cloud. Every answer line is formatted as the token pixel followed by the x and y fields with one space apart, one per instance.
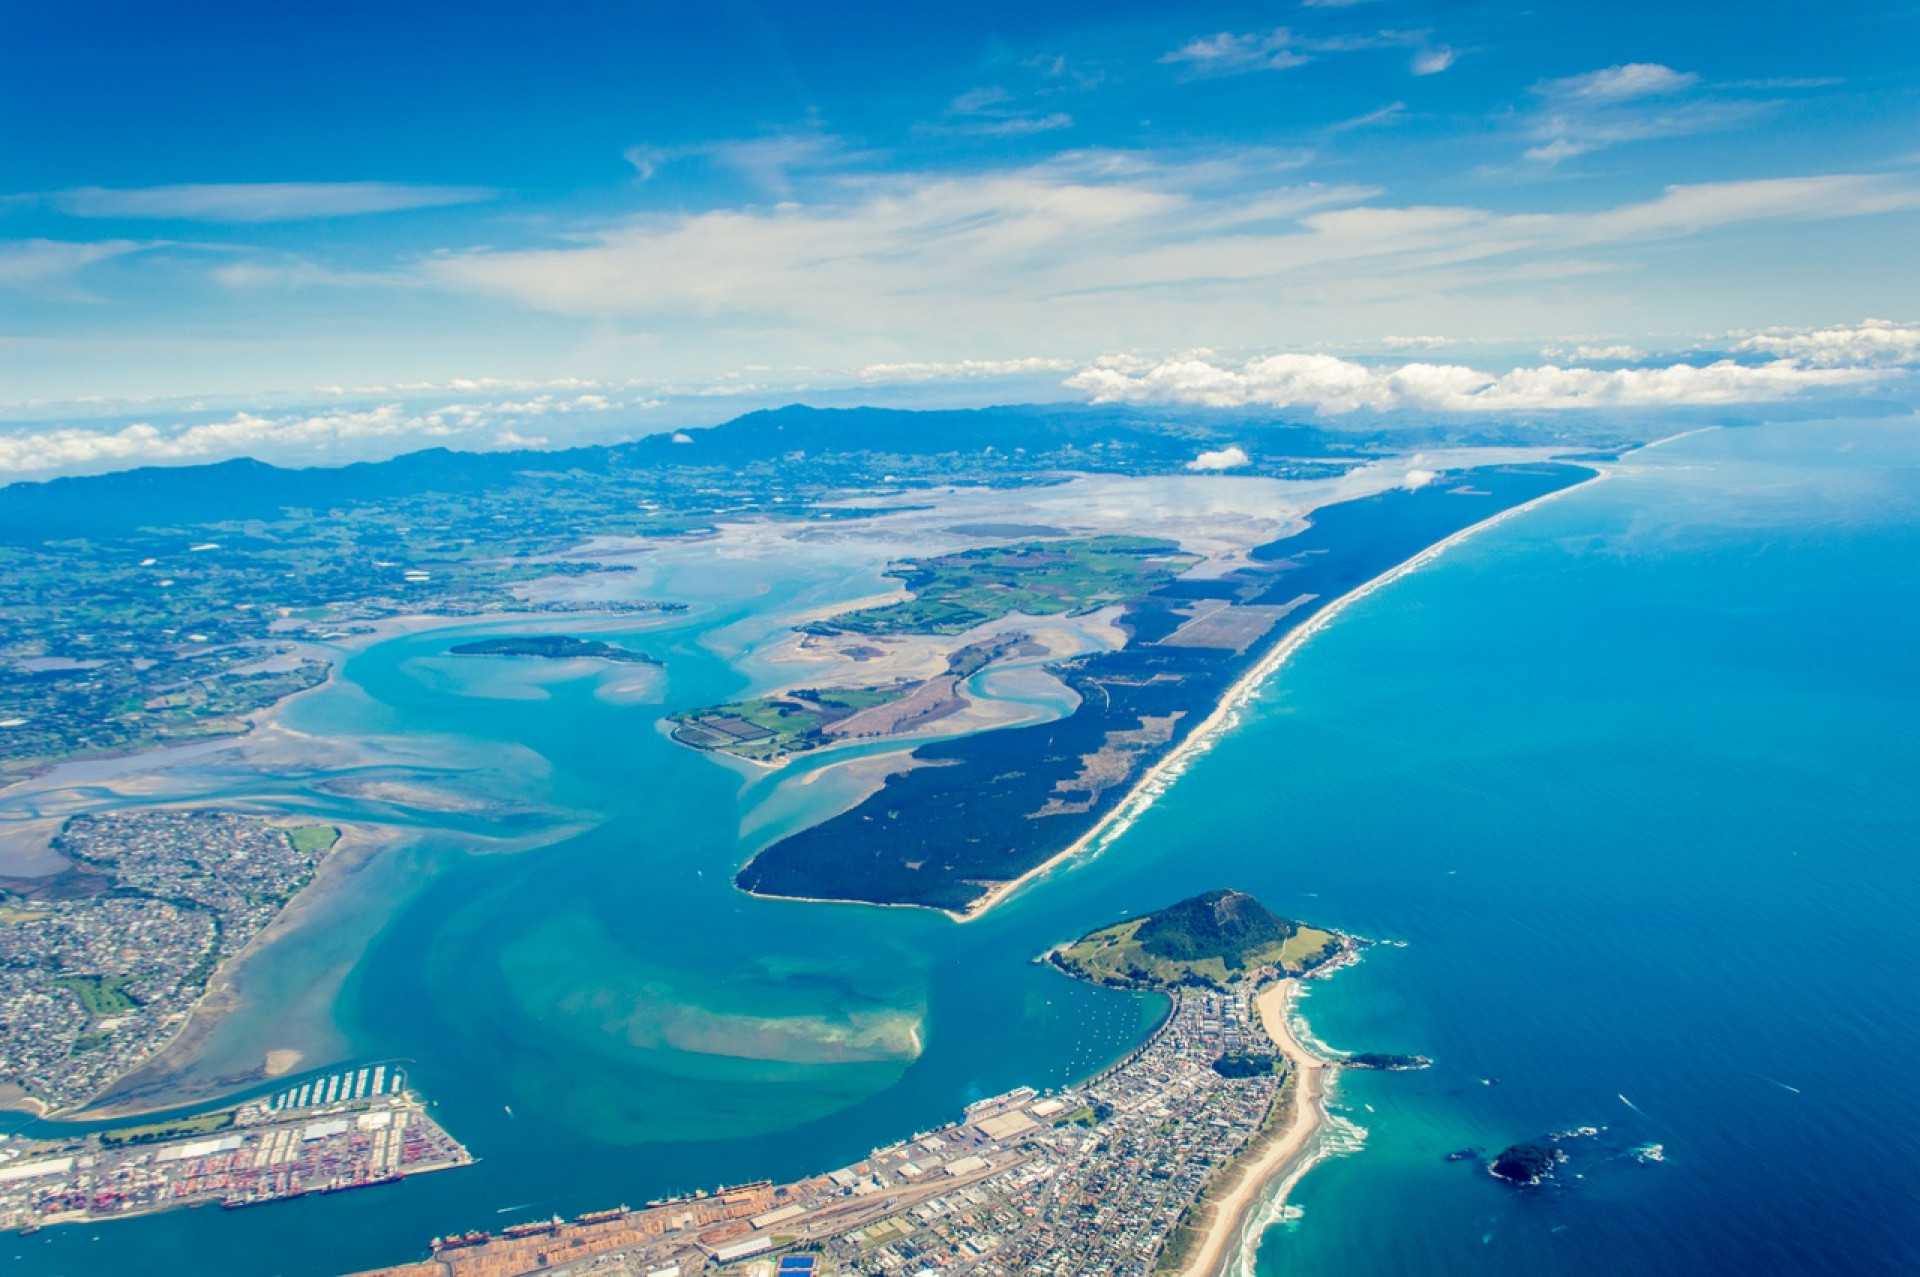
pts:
pixel 1558 149
pixel 1565 134
pixel 249 434
pixel 1230 54
pixel 899 247
pixel 1873 343
pixel 984 98
pixel 1115 246
pixel 962 368
pixel 1231 457
pixel 1683 210
pixel 259 201
pixel 994 111
pixel 298 272
pixel 1788 82
pixel 1618 352
pixel 1628 103
pixel 36 263
pixel 769 162
pixel 1012 125
pixel 492 383
pixel 1330 385
pixel 1622 83
pixel 1387 114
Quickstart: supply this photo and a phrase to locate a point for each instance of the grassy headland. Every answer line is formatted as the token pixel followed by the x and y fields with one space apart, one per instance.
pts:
pixel 1217 939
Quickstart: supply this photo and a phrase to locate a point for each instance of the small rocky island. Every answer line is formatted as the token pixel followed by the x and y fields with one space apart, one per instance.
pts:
pixel 1387 1063
pixel 552 647
pixel 1529 1163
pixel 1216 941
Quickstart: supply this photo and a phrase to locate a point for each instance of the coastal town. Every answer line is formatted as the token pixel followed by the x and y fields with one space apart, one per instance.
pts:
pixel 1110 1177
pixel 101 964
pixel 348 1130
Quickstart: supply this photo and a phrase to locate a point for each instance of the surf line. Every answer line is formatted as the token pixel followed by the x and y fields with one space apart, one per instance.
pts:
pixel 1226 715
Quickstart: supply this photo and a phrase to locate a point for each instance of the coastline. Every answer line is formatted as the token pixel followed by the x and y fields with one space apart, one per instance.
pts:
pixel 335 652
pixel 1148 789
pixel 149 1086
pixel 358 845
pixel 1225 1219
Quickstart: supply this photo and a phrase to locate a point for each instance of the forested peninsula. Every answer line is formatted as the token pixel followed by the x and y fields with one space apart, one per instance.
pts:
pixel 981 811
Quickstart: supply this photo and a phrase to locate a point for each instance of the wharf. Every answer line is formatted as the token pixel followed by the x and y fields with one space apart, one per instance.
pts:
pixel 1090 1180
pixel 366 1135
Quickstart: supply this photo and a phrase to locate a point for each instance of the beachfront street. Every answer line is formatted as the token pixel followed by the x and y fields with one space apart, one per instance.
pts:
pixel 1093 1181
pixel 100 967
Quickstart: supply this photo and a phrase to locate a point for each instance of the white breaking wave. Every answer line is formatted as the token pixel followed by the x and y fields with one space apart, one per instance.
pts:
pixel 1339 1136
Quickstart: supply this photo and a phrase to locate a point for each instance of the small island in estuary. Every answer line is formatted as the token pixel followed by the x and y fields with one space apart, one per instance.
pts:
pixel 552 647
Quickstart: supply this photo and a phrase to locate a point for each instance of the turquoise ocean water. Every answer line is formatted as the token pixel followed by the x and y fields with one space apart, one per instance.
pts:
pixel 1633 777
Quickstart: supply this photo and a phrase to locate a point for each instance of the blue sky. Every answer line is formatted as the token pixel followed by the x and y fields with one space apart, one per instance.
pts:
pixel 635 203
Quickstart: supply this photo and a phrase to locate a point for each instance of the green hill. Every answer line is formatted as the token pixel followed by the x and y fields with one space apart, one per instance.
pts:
pixel 1214 939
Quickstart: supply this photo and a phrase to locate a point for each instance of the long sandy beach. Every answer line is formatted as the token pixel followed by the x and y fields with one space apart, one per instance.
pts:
pixel 1277 1156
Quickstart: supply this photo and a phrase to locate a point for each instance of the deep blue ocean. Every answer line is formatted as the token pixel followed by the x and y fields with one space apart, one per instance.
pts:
pixel 1632 780
pixel 1637 780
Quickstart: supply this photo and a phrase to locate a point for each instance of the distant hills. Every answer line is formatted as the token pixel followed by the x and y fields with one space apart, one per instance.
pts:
pixel 858 446
pixel 164 496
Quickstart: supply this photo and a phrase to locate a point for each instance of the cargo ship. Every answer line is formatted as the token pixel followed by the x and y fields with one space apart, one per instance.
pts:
pixel 460 1241
pixel 703 1195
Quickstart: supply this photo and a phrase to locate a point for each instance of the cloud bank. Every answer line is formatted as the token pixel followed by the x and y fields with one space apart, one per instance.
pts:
pixel 1874 343
pixel 1779 364
pixel 963 369
pixel 480 425
pixel 1331 386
